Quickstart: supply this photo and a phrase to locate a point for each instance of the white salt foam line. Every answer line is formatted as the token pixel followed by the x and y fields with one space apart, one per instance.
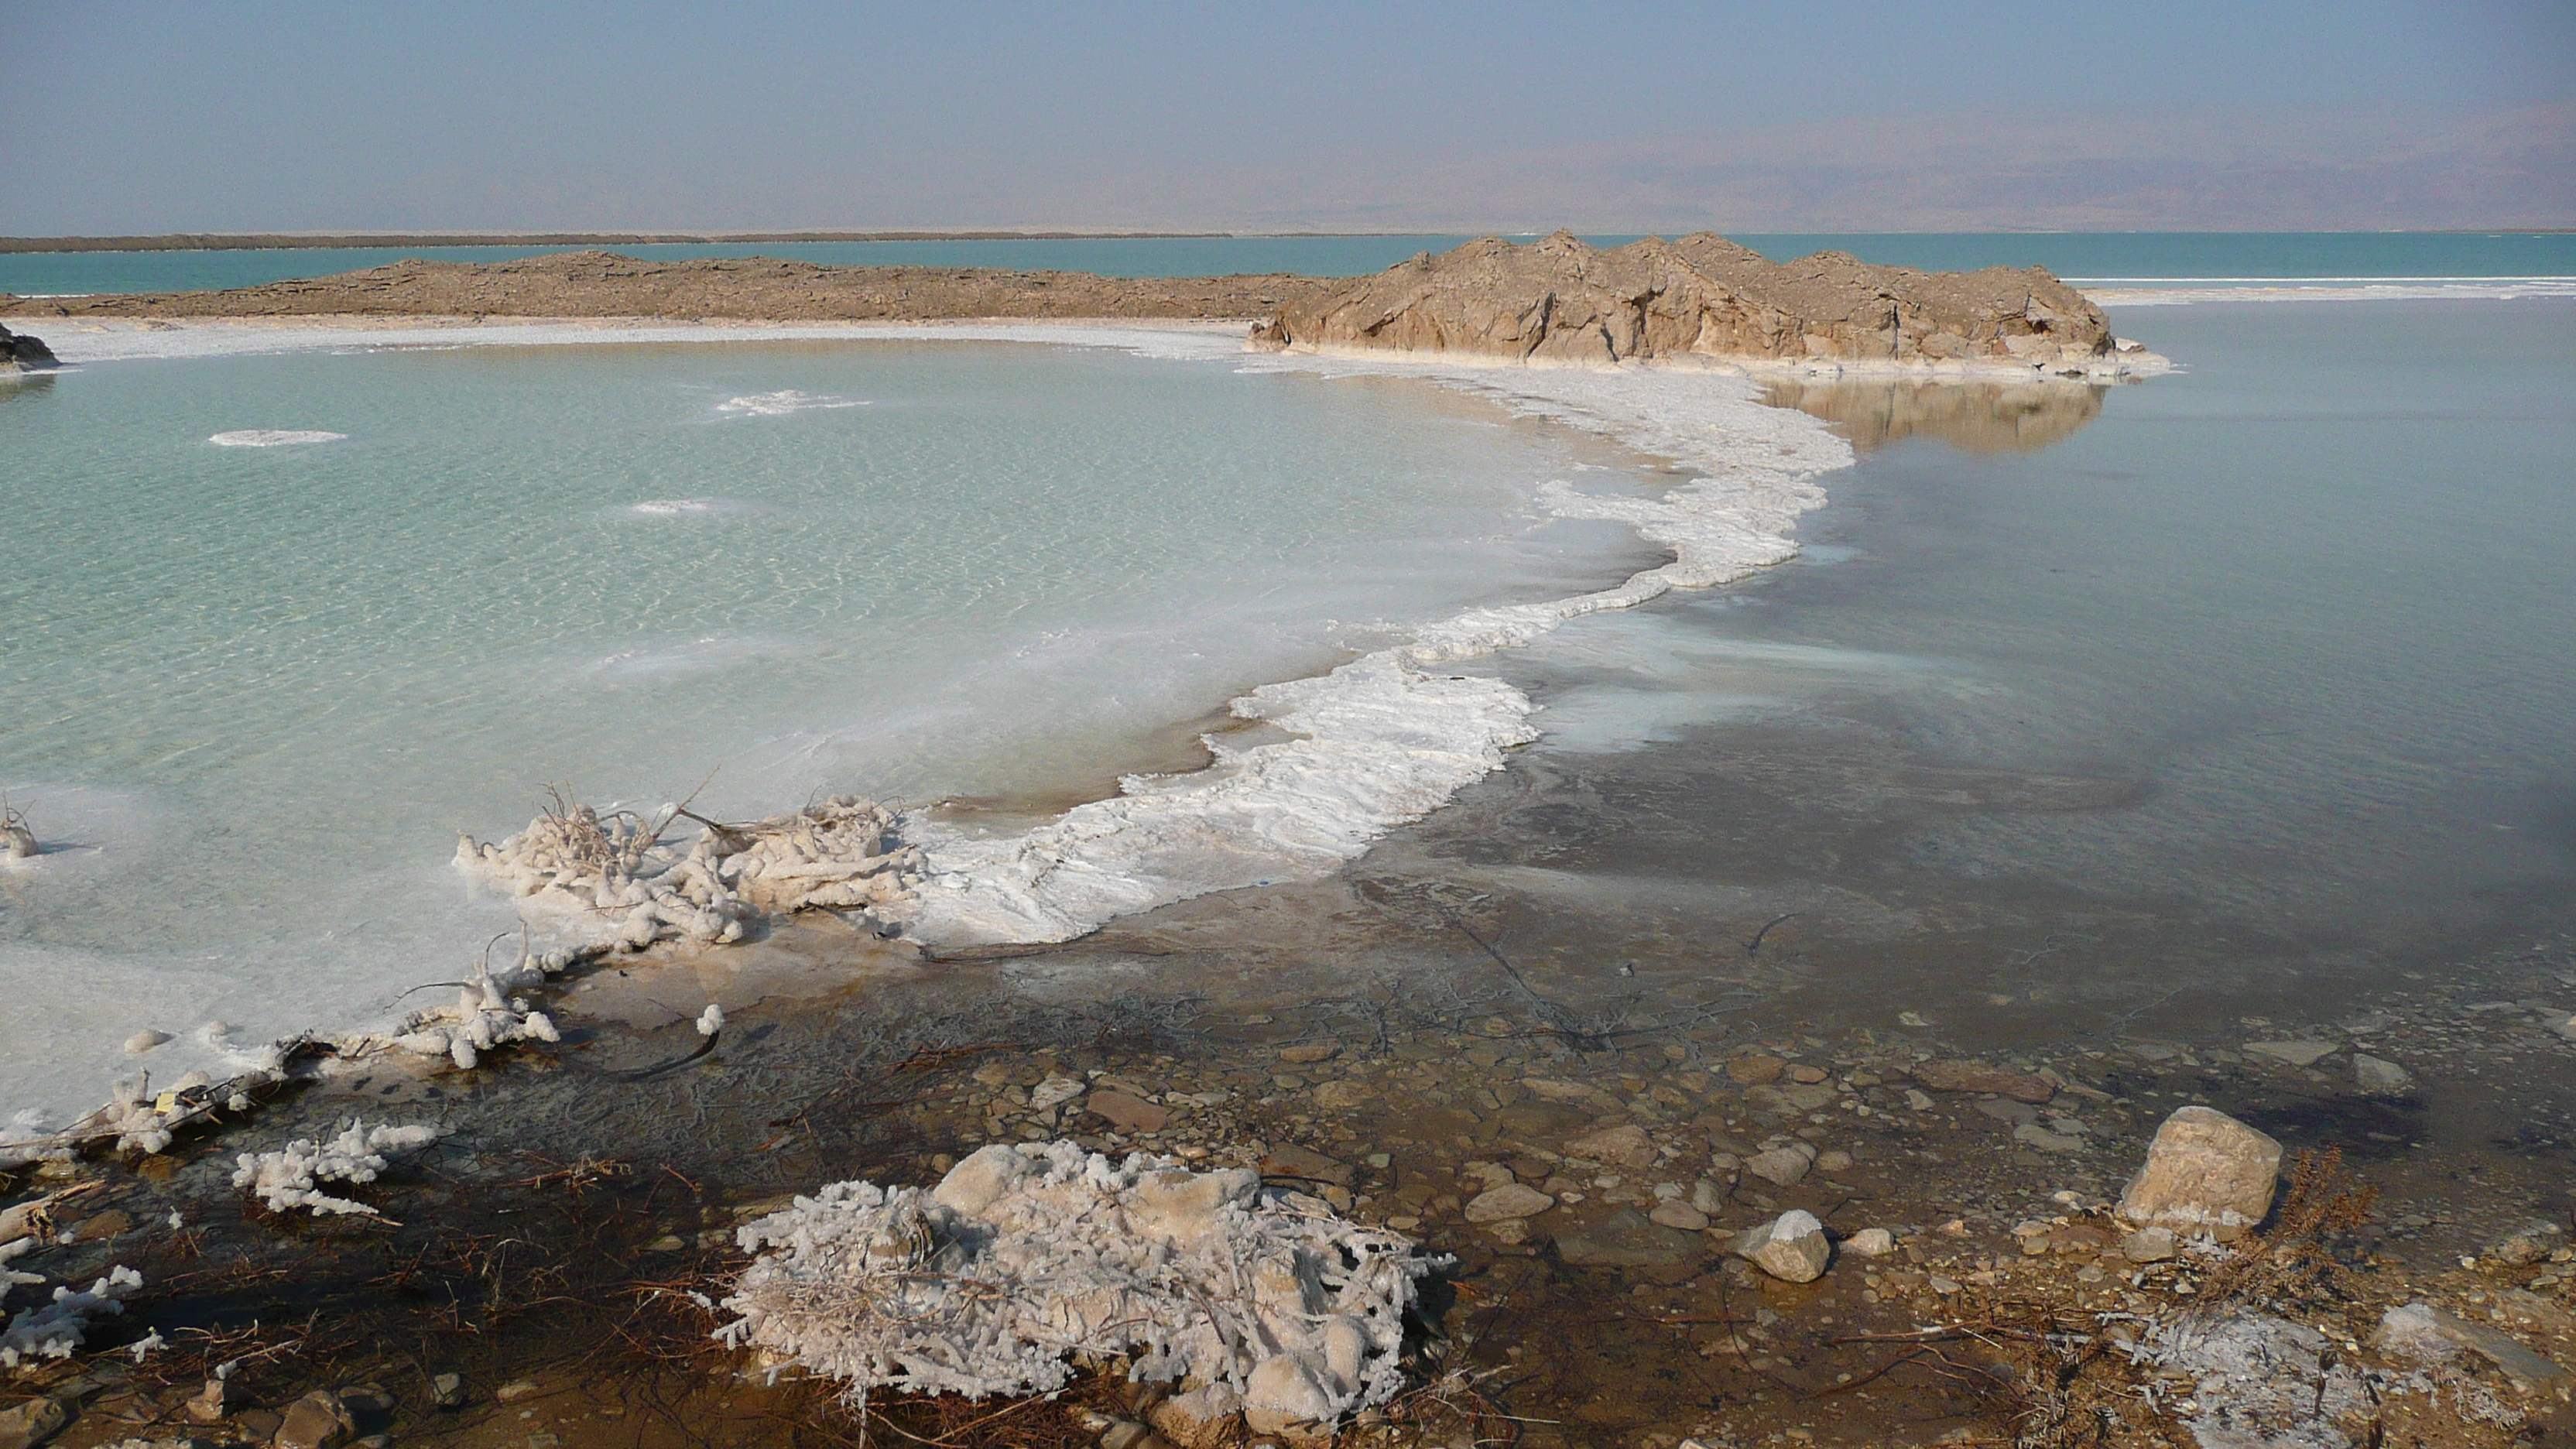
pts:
pixel 80 341
pixel 1388 738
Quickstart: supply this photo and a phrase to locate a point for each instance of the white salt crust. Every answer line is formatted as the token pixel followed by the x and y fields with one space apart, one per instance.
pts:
pixel 273 438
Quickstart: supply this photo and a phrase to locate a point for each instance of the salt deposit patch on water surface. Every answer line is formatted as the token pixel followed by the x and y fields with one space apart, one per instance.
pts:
pixel 674 659
pixel 780 404
pixel 690 508
pixel 273 438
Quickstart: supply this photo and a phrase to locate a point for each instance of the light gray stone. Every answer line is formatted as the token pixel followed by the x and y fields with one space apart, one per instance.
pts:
pixel 26 1425
pixel 1626 1146
pixel 2527 1244
pixel 317 1421
pixel 1675 1213
pixel 1788 1097
pixel 1791 1247
pixel 2031 1134
pixel 986 1174
pixel 1626 1239
pixel 2427 1334
pixel 1512 1200
pixel 1871 1243
pixel 2296 1053
pixel 2205 1172
pixel 2380 1077
pixel 1781 1166
pixel 2148 1245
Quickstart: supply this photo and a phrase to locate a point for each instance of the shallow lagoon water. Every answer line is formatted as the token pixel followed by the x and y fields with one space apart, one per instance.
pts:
pixel 256 689
pixel 2301 616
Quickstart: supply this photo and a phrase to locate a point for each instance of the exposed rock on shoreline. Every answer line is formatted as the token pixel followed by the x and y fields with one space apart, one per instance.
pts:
pixel 1562 300
pixel 22 353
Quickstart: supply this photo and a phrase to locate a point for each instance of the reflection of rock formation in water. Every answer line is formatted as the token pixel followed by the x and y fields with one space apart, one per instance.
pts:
pixel 1561 300
pixel 1981 417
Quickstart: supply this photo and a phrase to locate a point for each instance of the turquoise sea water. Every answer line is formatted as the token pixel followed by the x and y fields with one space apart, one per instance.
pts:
pixel 254 691
pixel 2230 255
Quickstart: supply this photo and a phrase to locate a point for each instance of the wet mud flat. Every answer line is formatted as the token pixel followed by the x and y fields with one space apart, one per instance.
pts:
pixel 1533 991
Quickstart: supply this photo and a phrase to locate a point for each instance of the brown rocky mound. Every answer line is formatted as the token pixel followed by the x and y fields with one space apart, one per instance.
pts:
pixel 604 284
pixel 1562 300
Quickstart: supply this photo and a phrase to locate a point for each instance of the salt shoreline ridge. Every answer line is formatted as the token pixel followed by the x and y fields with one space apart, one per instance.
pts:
pixel 1383 740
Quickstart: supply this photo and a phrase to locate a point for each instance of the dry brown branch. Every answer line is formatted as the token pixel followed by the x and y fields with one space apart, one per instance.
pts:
pixel 2296 1258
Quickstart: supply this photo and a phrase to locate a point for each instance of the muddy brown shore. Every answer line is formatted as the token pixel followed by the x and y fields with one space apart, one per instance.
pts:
pixel 1402 1040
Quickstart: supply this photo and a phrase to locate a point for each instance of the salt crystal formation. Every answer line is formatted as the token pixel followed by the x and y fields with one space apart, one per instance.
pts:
pixel 55 1329
pixel 481 1019
pixel 837 855
pixel 1250 1301
pixel 290 1179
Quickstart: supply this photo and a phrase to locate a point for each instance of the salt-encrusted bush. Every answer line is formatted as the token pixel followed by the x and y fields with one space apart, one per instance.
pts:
pixel 1245 1299
pixel 616 870
pixel 290 1179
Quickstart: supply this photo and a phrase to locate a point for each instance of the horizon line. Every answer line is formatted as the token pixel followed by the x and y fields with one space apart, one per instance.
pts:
pixel 301 240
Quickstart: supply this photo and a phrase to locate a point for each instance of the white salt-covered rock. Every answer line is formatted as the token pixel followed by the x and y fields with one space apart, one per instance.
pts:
pixel 711 1020
pixel 1791 1247
pixel 144 1041
pixel 1244 1299
pixel 290 1179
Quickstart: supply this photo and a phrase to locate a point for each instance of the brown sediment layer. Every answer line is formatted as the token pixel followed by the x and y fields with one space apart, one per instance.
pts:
pixel 1355 1039
pixel 604 284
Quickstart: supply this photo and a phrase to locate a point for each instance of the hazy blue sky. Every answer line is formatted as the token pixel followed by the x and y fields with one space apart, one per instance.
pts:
pixel 475 115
